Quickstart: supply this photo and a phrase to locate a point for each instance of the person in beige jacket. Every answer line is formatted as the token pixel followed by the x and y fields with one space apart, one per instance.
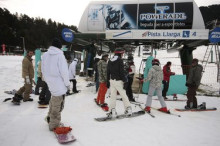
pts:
pixel 28 75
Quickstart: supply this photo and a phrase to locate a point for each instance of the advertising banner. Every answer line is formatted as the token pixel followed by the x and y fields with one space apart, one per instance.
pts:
pixel 158 34
pixel 115 16
pixel 214 36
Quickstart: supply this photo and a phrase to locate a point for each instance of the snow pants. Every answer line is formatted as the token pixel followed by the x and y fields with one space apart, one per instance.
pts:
pixel 74 85
pixel 26 89
pixel 56 106
pixel 114 87
pixel 101 94
pixel 159 95
pixel 191 97
pixel 129 88
pixel 165 88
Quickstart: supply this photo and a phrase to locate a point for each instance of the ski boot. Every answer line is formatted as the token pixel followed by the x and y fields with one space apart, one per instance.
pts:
pixel 147 109
pixel 164 109
pixel 202 106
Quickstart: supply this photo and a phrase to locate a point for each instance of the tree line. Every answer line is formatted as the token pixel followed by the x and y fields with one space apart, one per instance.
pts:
pixel 38 33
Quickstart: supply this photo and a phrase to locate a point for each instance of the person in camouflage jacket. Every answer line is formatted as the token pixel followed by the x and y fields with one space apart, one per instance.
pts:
pixel 102 71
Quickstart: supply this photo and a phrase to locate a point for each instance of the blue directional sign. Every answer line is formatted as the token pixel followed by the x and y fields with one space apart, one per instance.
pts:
pixel 67 35
pixel 214 36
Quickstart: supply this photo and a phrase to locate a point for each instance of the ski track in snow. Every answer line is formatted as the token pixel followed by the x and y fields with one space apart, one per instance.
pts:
pixel 24 125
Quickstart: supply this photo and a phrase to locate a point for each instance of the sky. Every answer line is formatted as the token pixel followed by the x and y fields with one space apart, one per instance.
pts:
pixel 68 12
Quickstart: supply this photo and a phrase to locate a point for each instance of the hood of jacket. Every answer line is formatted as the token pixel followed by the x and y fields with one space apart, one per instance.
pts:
pixel 156 67
pixel 54 50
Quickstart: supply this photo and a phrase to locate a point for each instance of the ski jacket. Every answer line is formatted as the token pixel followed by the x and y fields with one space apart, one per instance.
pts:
pixel 72 70
pixel 195 75
pixel 102 71
pixel 167 73
pixel 115 69
pixel 27 68
pixel 155 76
pixel 55 71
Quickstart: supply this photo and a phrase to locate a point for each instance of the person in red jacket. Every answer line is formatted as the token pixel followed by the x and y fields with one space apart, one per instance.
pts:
pixel 166 78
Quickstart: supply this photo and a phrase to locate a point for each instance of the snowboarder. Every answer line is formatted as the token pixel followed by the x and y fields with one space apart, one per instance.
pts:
pixel 155 76
pixel 55 73
pixel 166 78
pixel 193 83
pixel 28 75
pixel 72 74
pixel 102 71
pixel 130 69
pixel 117 80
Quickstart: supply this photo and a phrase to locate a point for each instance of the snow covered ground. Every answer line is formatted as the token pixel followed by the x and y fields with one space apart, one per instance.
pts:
pixel 24 125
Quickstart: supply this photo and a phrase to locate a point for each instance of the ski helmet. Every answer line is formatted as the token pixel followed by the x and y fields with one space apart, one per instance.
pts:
pixel 155 62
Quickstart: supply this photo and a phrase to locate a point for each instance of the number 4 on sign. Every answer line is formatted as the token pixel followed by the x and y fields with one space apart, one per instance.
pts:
pixel 194 34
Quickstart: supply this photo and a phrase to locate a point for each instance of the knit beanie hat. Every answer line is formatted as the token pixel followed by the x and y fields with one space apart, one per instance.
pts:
pixel 57 43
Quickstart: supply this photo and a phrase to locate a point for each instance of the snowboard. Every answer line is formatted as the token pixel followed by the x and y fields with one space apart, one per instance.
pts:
pixel 12 92
pixel 196 110
pixel 65 138
pixel 42 106
pixel 72 93
pixel 90 84
pixel 15 103
pixel 122 116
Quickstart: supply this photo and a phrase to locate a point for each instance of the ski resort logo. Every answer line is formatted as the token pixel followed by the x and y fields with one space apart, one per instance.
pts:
pixel 162 15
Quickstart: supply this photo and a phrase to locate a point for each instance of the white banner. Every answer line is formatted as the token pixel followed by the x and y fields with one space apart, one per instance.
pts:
pixel 192 34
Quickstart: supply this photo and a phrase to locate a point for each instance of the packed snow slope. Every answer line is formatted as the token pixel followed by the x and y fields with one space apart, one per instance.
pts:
pixel 24 125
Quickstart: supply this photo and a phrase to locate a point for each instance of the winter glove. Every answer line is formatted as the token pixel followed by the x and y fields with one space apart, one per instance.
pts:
pixel 108 84
pixel 27 80
pixel 125 85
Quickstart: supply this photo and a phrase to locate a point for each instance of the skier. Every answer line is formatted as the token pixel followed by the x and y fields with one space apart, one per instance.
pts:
pixel 155 76
pixel 130 69
pixel 117 80
pixel 45 94
pixel 166 78
pixel 72 74
pixel 28 75
pixel 193 83
pixel 55 73
pixel 102 71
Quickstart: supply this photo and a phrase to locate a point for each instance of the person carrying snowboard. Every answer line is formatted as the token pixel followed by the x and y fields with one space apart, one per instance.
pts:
pixel 55 73
pixel 155 76
pixel 117 81
pixel 193 82
pixel 28 75
pixel 102 71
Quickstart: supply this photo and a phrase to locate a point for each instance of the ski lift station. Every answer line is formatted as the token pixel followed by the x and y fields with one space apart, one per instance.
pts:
pixel 106 25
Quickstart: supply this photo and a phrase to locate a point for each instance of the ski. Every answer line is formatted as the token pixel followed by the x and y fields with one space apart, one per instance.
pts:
pixel 197 110
pixel 166 112
pixel 122 116
pixel 173 99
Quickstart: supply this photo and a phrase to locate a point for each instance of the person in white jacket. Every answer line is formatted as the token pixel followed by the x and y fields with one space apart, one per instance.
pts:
pixel 72 74
pixel 55 73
